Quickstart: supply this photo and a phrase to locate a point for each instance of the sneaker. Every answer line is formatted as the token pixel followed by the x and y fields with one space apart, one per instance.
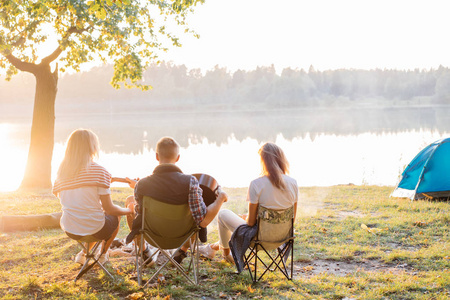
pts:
pixel 229 258
pixel 148 258
pixel 104 258
pixel 117 243
pixel 207 251
pixel 179 255
pixel 80 258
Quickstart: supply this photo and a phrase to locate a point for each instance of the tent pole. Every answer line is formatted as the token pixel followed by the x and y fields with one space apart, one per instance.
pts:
pixel 423 169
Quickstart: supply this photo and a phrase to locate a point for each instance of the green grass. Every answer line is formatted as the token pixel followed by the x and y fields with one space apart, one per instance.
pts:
pixel 403 254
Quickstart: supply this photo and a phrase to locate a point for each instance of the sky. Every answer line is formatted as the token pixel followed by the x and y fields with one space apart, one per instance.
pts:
pixel 328 34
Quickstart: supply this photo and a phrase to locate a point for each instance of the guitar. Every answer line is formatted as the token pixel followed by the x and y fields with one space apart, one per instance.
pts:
pixel 209 187
pixel 119 179
pixel 207 183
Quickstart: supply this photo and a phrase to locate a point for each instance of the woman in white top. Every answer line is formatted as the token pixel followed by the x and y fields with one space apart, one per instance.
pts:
pixel 83 188
pixel 274 190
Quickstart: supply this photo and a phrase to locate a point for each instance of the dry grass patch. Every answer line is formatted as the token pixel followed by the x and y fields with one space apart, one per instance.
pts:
pixel 401 252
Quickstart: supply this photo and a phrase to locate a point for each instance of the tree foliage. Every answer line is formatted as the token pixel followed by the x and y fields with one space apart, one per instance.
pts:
pixel 128 33
pixel 35 33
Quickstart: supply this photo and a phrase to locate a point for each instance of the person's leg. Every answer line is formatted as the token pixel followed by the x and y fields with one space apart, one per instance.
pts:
pixel 227 221
pixel 181 254
pixel 137 239
pixel 106 244
pixel 186 245
pixel 81 256
pixel 90 245
pixel 108 233
pixel 130 217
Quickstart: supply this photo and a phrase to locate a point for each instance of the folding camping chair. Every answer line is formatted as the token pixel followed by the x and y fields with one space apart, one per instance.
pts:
pixel 275 231
pixel 168 226
pixel 90 254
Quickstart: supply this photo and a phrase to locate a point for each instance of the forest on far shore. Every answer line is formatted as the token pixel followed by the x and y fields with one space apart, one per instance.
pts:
pixel 191 105
pixel 177 87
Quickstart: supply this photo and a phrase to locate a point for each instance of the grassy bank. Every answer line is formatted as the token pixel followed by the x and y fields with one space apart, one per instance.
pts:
pixel 351 241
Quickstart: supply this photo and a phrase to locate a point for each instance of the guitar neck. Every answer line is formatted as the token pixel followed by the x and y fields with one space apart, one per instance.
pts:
pixel 119 179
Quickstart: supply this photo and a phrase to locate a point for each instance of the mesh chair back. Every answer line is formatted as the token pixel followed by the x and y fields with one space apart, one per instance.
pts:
pixel 275 231
pixel 168 224
pixel 275 226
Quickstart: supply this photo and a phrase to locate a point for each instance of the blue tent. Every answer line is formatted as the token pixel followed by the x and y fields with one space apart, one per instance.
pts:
pixel 428 174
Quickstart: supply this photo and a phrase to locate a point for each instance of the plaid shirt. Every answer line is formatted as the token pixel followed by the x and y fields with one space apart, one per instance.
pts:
pixel 196 204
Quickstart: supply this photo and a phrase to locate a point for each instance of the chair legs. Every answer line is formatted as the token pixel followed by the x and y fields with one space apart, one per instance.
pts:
pixel 90 254
pixel 278 261
pixel 193 263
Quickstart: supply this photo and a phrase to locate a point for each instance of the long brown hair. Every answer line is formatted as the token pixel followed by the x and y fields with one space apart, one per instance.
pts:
pixel 82 147
pixel 274 164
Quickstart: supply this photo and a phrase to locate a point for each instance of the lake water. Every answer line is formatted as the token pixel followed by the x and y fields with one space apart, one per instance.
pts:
pixel 315 159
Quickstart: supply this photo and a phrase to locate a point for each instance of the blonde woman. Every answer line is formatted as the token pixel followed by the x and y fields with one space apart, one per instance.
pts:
pixel 83 188
pixel 273 190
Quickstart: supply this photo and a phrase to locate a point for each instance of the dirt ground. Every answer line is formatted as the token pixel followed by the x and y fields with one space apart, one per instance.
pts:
pixel 343 268
pixel 320 266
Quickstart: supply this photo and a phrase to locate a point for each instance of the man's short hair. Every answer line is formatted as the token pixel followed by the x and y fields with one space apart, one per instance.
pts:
pixel 167 148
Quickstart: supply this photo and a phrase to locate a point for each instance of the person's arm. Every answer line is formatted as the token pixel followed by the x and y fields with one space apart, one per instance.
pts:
pixel 111 209
pixel 213 209
pixel 253 202
pixel 296 198
pixel 252 213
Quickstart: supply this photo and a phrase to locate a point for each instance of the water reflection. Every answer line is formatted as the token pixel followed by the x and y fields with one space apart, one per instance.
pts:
pixel 123 131
pixel 316 160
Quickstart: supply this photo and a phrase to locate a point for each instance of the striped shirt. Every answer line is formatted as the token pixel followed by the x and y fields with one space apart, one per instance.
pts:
pixel 92 175
pixel 80 200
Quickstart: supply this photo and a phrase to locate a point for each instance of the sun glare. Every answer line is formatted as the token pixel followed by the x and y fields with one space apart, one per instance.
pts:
pixel 12 160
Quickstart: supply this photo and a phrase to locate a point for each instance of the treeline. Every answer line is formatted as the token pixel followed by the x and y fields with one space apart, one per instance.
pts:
pixel 190 105
pixel 175 86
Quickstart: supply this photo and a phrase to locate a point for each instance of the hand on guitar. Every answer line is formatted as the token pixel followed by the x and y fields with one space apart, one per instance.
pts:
pixel 212 191
pixel 221 195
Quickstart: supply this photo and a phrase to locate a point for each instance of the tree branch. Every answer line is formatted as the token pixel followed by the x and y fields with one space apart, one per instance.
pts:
pixel 21 65
pixel 73 29
pixel 58 50
pixel 30 67
pixel 53 56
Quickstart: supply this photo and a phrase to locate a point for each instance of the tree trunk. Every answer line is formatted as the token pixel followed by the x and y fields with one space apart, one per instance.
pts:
pixel 29 222
pixel 38 169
